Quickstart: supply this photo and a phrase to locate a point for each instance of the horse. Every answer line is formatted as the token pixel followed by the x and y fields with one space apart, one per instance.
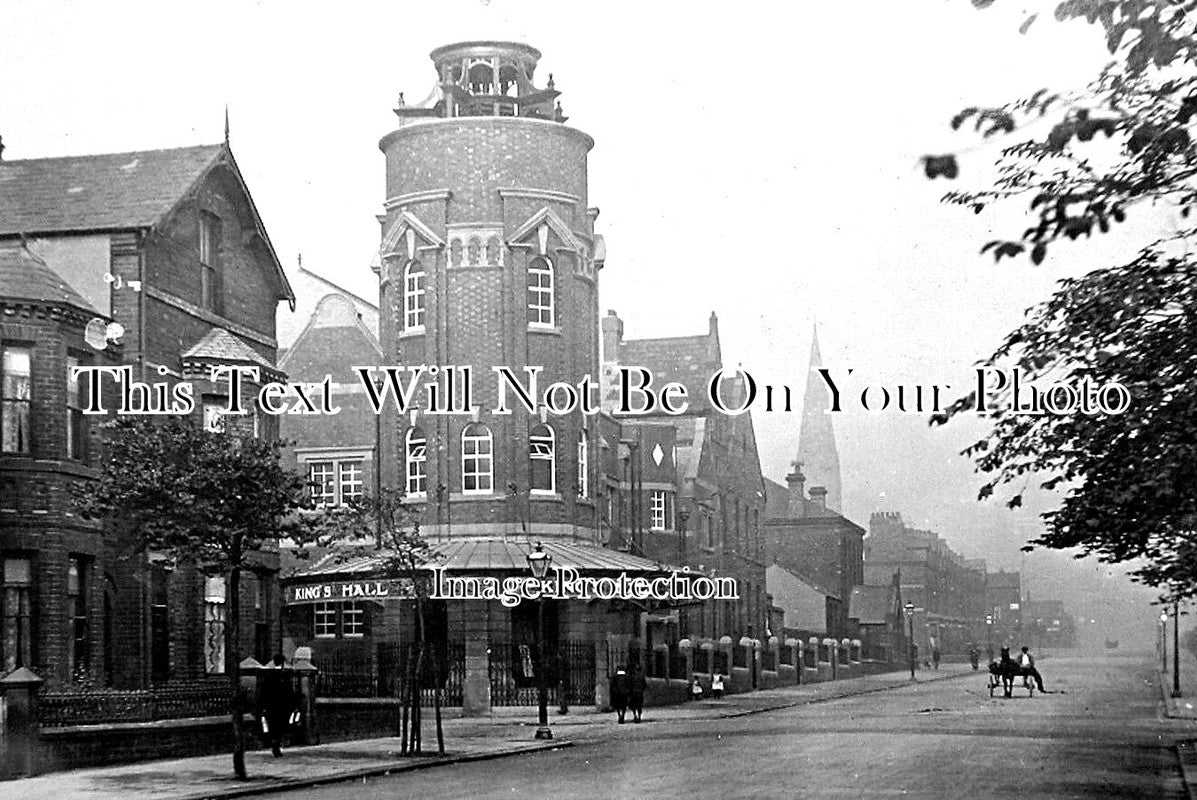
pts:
pixel 1007 669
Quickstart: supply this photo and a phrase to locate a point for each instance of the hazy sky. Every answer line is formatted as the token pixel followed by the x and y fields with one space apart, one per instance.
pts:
pixel 758 160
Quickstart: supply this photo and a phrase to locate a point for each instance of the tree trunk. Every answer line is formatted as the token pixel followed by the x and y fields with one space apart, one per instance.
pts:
pixel 440 731
pixel 233 666
pixel 404 694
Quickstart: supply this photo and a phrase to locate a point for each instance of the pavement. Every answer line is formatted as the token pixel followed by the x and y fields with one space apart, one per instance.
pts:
pixel 1098 733
pixel 1182 707
pixel 508 734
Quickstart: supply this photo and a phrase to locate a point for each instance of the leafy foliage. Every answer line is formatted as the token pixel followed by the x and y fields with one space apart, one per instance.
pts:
pixel 208 499
pixel 201 497
pixel 1122 145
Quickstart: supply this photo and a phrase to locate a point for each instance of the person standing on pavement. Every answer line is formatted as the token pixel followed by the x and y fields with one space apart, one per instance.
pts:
pixel 276 702
pixel 620 688
pixel 638 684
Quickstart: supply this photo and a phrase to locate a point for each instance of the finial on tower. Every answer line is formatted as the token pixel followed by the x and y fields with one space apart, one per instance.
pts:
pixel 226 123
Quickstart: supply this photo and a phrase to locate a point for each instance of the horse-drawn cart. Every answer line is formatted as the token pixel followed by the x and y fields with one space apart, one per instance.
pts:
pixel 1009 680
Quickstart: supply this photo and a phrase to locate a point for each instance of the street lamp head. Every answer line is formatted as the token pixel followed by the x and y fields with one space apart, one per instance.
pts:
pixel 1163 616
pixel 539 561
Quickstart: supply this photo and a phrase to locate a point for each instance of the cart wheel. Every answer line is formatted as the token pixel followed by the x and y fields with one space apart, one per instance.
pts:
pixel 991 688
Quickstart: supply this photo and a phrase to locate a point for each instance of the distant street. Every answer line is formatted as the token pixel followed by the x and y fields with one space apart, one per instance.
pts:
pixel 1100 736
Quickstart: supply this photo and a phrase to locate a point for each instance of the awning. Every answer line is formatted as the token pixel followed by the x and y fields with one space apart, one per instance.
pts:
pixel 491 556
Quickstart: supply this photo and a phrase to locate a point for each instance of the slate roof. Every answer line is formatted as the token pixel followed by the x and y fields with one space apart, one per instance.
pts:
pixel 497 555
pixel 25 276
pixel 110 191
pixel 871 605
pixel 98 192
pixel 223 347
pixel 684 359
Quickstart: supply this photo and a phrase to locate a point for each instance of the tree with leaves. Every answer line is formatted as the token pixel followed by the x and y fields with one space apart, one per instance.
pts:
pixel 1122 146
pixel 211 500
pixel 380 528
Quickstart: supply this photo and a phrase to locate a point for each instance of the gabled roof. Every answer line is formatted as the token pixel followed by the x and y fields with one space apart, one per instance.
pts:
pixel 222 347
pixel 25 276
pixel 326 330
pixel 546 216
pixel 112 191
pixel 99 192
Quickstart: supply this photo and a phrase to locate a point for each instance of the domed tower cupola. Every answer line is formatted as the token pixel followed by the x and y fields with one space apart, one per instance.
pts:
pixel 487 79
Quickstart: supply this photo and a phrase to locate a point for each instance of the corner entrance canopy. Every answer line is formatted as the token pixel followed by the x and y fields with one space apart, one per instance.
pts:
pixel 333 577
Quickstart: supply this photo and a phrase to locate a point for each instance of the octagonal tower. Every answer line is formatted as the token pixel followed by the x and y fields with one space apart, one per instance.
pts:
pixel 489 258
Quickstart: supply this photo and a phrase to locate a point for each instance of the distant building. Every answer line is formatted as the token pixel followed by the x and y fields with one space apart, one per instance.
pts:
pixel 1047 623
pixel 309 289
pixel 337 453
pixel 877 611
pixel 814 542
pixel 169 244
pixel 810 610
pixel 948 593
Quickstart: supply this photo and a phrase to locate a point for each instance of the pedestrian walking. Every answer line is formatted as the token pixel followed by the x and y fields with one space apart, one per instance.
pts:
pixel 717 685
pixel 638 685
pixel 276 702
pixel 621 687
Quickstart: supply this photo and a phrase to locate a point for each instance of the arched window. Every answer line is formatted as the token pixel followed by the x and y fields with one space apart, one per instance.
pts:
pixel 477 460
pixel 413 297
pixel 583 466
pixel 481 78
pixel 540 294
pixel 416 463
pixel 508 80
pixel 543 453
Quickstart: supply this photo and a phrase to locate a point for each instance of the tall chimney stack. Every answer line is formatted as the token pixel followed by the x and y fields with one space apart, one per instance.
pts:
pixel 797 483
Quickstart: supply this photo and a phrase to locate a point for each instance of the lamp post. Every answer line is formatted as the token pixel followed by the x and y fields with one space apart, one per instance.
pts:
pixel 910 644
pixel 1164 640
pixel 538 561
pixel 1176 648
pixel 988 635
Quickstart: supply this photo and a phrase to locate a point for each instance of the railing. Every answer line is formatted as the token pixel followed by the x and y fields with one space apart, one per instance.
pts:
pixel 358 675
pixel 569 668
pixel 170 701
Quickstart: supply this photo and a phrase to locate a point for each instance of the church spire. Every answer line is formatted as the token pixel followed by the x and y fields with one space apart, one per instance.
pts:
pixel 816 439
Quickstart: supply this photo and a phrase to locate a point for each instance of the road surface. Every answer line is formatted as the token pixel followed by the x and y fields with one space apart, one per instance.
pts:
pixel 1099 735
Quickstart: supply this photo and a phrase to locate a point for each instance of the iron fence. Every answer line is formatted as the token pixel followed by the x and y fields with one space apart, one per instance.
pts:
pixel 169 701
pixel 385 673
pixel 569 673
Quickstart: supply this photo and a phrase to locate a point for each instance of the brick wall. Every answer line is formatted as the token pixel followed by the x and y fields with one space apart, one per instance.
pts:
pixel 38 516
pixel 477 315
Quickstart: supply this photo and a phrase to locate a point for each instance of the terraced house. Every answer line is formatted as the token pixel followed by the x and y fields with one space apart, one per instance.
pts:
pixel 166 244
